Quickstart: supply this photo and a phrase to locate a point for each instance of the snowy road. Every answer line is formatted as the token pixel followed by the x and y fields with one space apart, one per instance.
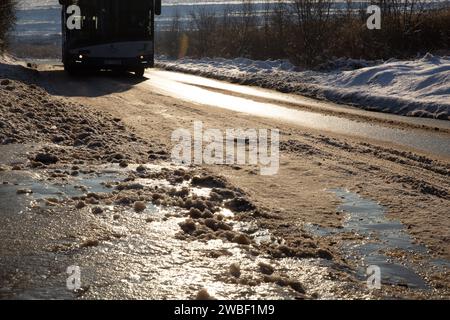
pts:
pixel 302 111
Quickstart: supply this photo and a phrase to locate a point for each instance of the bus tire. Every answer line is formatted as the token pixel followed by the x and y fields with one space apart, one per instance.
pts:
pixel 139 72
pixel 71 70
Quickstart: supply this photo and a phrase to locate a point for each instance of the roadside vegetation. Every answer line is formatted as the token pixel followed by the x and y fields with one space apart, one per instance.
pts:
pixel 310 32
pixel 7 19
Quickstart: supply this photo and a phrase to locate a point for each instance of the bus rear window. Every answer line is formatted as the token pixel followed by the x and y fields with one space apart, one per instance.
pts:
pixel 112 21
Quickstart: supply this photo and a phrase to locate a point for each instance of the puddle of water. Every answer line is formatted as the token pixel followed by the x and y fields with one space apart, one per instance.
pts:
pixel 151 263
pixel 11 202
pixel 199 192
pixel 260 236
pixel 440 263
pixel 367 220
pixel 148 261
pixel 71 186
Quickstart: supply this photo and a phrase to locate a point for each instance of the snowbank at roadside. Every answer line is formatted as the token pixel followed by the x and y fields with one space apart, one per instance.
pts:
pixel 413 88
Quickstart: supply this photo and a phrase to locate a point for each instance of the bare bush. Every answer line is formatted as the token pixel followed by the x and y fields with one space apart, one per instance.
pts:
pixel 312 28
pixel 310 32
pixel 244 29
pixel 276 29
pixel 7 19
pixel 203 40
pixel 170 43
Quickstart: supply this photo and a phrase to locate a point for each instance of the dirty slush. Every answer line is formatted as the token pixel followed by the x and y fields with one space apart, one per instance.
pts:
pixel 79 189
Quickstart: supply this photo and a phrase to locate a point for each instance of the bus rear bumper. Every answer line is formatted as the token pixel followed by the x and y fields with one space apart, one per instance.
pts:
pixel 85 62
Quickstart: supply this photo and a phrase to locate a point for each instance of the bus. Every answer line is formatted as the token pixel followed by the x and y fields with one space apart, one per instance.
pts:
pixel 108 34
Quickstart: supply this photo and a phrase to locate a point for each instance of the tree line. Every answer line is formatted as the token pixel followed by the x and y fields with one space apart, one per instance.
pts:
pixel 310 32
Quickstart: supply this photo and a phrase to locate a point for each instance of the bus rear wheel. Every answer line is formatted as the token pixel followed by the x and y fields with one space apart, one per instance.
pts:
pixel 139 72
pixel 70 69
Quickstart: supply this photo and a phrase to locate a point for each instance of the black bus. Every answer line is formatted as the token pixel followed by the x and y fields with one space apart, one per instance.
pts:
pixel 109 34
